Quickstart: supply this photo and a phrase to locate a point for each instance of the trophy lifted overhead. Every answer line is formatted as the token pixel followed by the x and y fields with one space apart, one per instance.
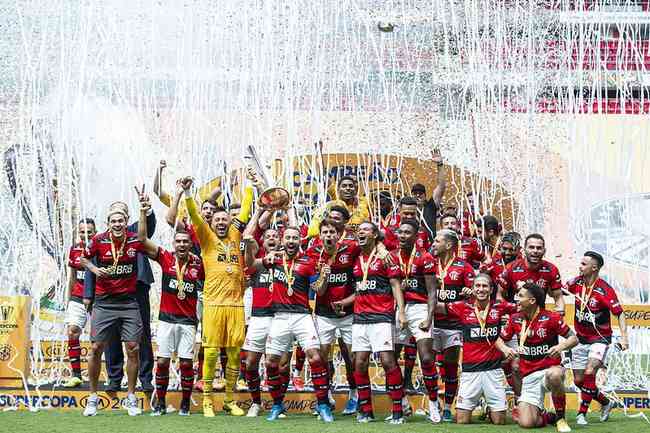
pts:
pixel 272 197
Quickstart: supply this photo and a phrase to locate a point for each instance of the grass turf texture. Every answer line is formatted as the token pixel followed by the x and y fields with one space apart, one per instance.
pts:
pixel 119 421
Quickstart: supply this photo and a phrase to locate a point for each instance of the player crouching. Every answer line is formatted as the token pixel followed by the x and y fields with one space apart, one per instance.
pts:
pixel 539 352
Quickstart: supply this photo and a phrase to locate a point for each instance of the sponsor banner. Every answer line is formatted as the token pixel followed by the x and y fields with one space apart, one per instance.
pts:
pixel 635 315
pixel 14 337
pixel 294 402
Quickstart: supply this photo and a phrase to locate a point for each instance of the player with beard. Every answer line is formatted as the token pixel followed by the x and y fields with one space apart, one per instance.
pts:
pixel 595 301
pixel 292 271
pixel 509 250
pixel 76 314
pixel 378 290
pixel 419 288
pixel 182 279
pixel 469 248
pixel 335 258
pixel 480 320
pixel 488 232
pixel 223 319
pixel 455 279
pixel 347 196
pixel 408 210
pixel 539 350
pixel 112 257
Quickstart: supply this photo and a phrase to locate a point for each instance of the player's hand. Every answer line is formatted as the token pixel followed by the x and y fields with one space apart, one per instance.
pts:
pixel 555 351
pixel 179 186
pixel 186 183
pixel 338 307
pixel 88 304
pixel 510 354
pixel 401 319
pixel 624 343
pixel 270 257
pixel 100 272
pixel 383 254
pixel 325 270
pixel 467 292
pixel 425 325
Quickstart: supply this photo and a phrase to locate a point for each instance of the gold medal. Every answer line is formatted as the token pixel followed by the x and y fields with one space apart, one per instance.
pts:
pixel 117 254
pixel 180 273
pixel 442 272
pixel 406 267
pixel 229 269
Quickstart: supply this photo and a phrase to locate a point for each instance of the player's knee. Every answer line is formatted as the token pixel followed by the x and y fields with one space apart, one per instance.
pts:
pixel 185 363
pixel 425 357
pixel 555 377
pixel 74 332
pixel 97 348
pixel 132 349
pixel 164 362
pixel 313 356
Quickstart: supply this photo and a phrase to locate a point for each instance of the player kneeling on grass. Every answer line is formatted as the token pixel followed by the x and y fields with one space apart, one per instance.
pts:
pixel 182 278
pixel 480 320
pixel 539 354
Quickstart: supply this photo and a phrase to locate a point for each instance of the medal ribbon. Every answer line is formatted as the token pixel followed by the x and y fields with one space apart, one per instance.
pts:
pixel 288 272
pixel 365 267
pixel 443 272
pixel 117 254
pixel 586 296
pixel 180 272
pixel 523 334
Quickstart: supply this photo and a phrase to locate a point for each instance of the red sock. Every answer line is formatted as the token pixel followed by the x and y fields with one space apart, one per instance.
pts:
pixel 547 418
pixel 300 358
pixel 253 382
pixel 187 379
pixel 410 355
pixel 395 390
pixel 242 363
pixel 285 377
pixel 430 376
pixel 74 354
pixel 199 370
pixel 320 379
pixel 451 382
pixel 559 403
pixel 275 384
pixel 440 363
pixel 162 380
pixel 600 398
pixel 364 392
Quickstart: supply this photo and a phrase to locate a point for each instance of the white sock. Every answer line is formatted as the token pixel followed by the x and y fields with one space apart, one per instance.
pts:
pixel 92 396
pixel 352 394
pixel 131 397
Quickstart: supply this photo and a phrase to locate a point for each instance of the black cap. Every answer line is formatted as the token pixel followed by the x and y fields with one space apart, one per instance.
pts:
pixel 597 257
pixel 418 187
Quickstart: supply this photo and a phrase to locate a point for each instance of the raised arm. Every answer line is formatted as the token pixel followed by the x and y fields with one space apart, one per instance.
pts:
pixel 149 247
pixel 441 186
pixel 172 212
pixel 622 326
pixel 157 184
pixel 246 205
pixel 202 228
pixel 251 248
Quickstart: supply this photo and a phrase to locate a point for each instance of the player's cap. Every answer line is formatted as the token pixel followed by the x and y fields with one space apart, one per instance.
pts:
pixel 597 257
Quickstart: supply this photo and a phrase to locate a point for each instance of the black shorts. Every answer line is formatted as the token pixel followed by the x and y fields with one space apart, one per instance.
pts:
pixel 123 319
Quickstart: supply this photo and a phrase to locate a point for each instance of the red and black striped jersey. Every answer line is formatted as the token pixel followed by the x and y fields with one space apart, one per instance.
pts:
pixel 547 276
pixel 74 263
pixel 592 321
pixel 178 300
pixel 260 283
pixel 470 250
pixel 340 283
pixel 479 351
pixel 374 302
pixel 542 334
pixel 415 288
pixel 123 273
pixel 451 282
pixel 301 269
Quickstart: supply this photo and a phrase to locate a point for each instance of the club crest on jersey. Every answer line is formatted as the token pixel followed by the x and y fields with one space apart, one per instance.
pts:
pixel 541 333
pixel 130 252
pixel 593 303
pixel 494 315
pixel 454 275
pixel 194 273
pixel 344 258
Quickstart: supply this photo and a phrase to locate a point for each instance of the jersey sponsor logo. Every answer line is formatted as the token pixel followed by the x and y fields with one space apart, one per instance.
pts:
pixel 338 278
pixel 233 258
pixel 265 277
pixel 411 283
pixel 117 270
pixel 368 285
pixel 187 286
pixel 533 350
pixel 585 316
pixel 491 331
pixel 446 294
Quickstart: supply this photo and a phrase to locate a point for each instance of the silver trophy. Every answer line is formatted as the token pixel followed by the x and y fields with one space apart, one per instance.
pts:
pixel 273 197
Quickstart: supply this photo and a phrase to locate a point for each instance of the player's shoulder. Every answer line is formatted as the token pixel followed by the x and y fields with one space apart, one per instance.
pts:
pixel 547 266
pixel 548 315
pixel 131 237
pixel 573 282
pixel 603 288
